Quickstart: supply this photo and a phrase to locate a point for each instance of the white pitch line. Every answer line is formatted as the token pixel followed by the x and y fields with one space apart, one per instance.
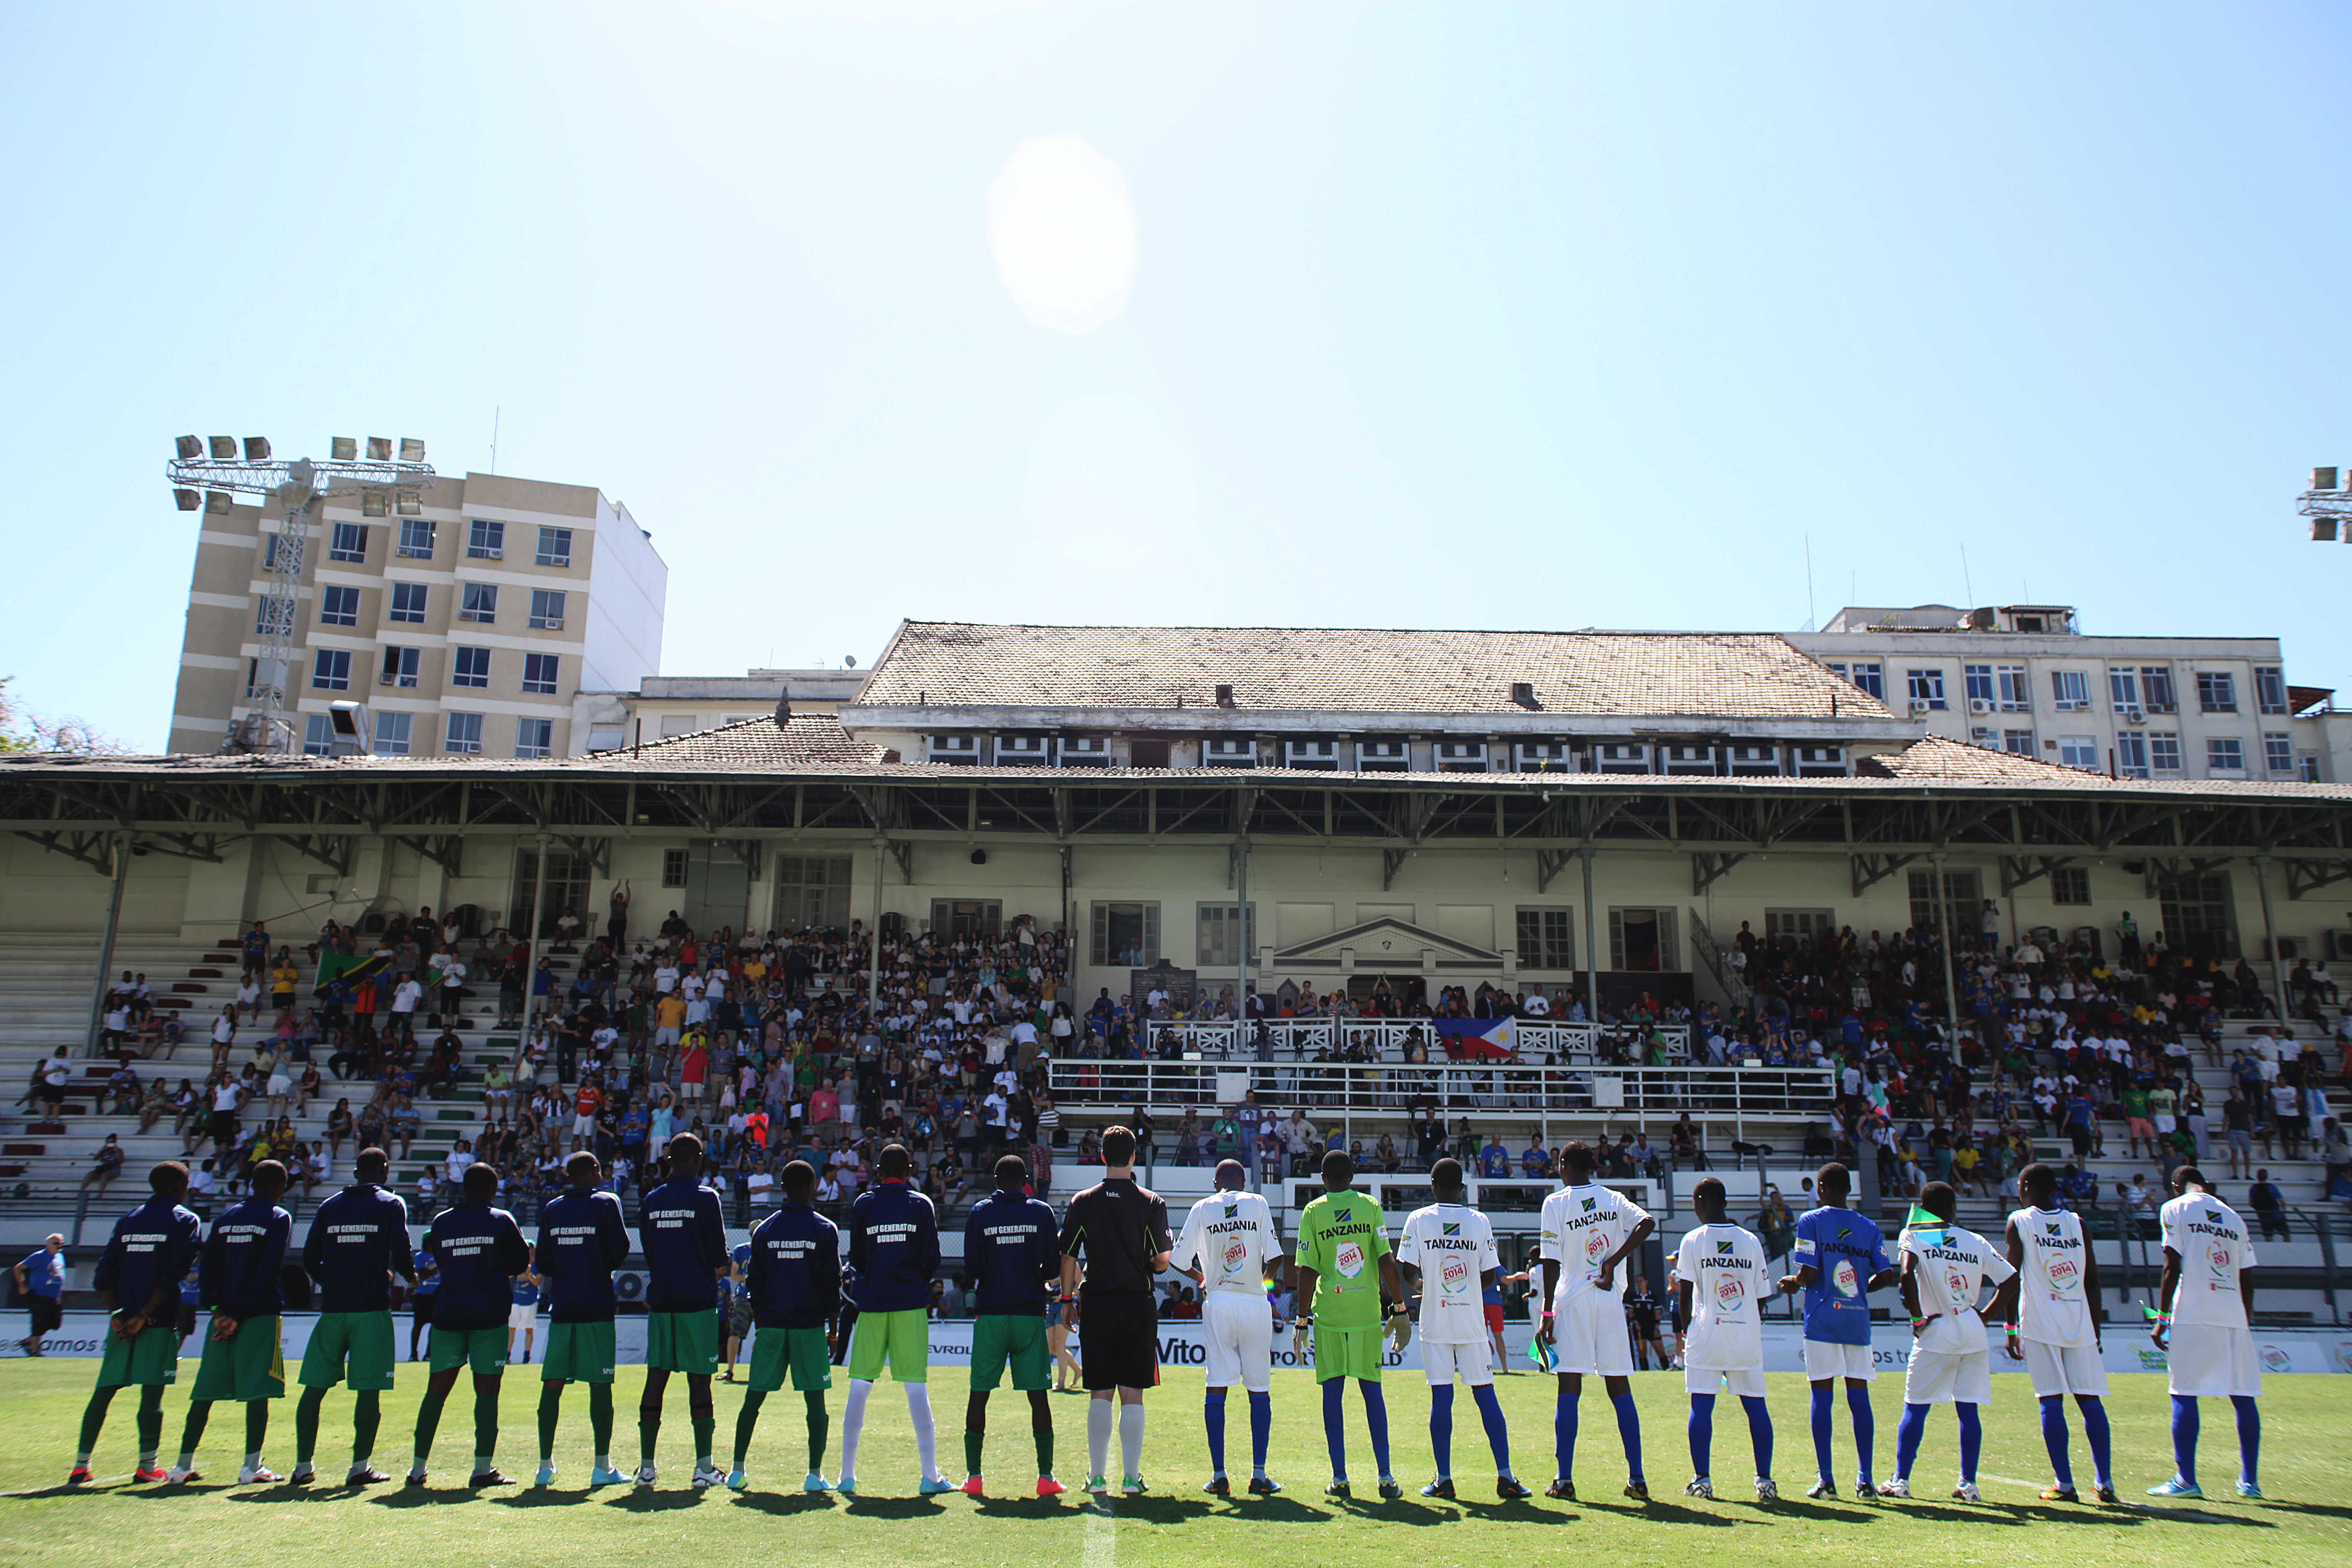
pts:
pixel 1101 1538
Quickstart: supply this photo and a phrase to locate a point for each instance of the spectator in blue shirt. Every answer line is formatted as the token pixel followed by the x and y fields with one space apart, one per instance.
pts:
pixel 41 1280
pixel 1535 1160
pixel 1494 1160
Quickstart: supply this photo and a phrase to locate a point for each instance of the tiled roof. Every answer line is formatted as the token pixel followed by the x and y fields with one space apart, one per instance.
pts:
pixel 1936 760
pixel 812 741
pixel 1693 674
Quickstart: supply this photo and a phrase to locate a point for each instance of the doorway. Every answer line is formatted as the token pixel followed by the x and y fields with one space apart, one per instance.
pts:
pixel 567 889
pixel 718 887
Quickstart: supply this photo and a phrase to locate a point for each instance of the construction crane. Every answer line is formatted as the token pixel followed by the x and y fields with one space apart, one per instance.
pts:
pixel 207 476
pixel 2329 506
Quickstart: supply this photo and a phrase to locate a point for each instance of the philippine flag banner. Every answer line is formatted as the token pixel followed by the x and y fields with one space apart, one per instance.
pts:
pixel 1477 1039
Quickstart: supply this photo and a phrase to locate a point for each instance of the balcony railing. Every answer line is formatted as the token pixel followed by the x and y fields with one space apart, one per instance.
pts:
pixel 1393 1039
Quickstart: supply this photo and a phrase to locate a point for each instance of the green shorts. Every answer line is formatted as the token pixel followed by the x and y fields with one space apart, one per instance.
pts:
pixel 364 1337
pixel 683 1342
pixel 805 1351
pixel 484 1349
pixel 150 1360
pixel 1015 1337
pixel 248 1365
pixel 1348 1353
pixel 580 1352
pixel 901 1339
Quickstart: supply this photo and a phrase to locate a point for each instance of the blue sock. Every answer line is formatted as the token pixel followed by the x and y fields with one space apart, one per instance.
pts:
pixel 1563 1436
pixel 1335 1435
pixel 1261 1428
pixel 1498 1436
pixel 1759 1430
pixel 2184 1438
pixel 1213 1411
pixel 1908 1433
pixel 1971 1439
pixel 1823 1462
pixel 1440 1429
pixel 1865 1430
pixel 2053 1438
pixel 1629 1432
pixel 1702 1432
pixel 2250 1438
pixel 2095 1428
pixel 1376 1417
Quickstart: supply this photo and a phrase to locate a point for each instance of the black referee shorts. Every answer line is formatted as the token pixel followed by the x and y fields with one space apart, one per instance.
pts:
pixel 47 1313
pixel 1118 1341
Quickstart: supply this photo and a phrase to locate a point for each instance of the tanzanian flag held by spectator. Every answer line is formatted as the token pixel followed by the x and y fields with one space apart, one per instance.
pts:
pixel 340 973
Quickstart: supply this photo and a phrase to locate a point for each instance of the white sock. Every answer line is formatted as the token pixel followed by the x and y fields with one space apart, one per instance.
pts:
pixel 482 1464
pixel 253 1460
pixel 853 1421
pixel 1099 1418
pixel 187 1459
pixel 1130 1437
pixel 603 1461
pixel 927 1448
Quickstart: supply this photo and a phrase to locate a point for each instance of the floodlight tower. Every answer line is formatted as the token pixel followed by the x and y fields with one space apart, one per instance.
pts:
pixel 206 475
pixel 2329 506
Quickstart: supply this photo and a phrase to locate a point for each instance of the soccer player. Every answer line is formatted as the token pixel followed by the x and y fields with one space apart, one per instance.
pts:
pixel 1641 1313
pixel 1346 1270
pixel 522 1312
pixel 139 1279
pixel 1010 1244
pixel 420 1302
pixel 1720 1285
pixel 1841 1258
pixel 893 1245
pixel 1945 1270
pixel 1588 1231
pixel 685 1243
pixel 2201 1327
pixel 2052 1308
pixel 479 1250
pixel 244 1358
pixel 735 1307
pixel 1114 1240
pixel 1231 1245
pixel 583 1238
pixel 794 1283
pixel 358 1241
pixel 1448 1251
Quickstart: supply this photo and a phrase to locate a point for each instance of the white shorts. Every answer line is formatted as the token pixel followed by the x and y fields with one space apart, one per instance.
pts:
pixel 2215 1362
pixel 584 1127
pixel 1823 1359
pixel 1948 1377
pixel 2065 1368
pixel 666 1034
pixel 1474 1363
pixel 1237 1330
pixel 1589 1334
pixel 523 1315
pixel 279 1083
pixel 1747 1382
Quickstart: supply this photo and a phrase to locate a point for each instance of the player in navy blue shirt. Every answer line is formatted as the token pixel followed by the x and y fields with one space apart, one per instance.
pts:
pixel 685 1243
pixel 792 1280
pixel 893 1245
pixel 480 1250
pixel 358 1241
pixel 139 1279
pixel 1011 1246
pixel 582 1239
pixel 243 1357
pixel 1841 1258
pixel 420 1302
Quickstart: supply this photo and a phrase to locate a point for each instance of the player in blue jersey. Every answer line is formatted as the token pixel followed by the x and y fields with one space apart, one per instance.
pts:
pixel 793 1281
pixel 478 1249
pixel 244 1360
pixel 685 1243
pixel 139 1279
pixel 358 1241
pixel 893 1245
pixel 583 1238
pixel 1841 1258
pixel 420 1303
pixel 1012 1244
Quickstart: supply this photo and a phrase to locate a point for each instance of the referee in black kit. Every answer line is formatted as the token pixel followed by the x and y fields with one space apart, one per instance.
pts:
pixel 1121 1232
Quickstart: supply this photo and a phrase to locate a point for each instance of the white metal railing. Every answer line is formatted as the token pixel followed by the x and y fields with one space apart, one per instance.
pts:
pixel 1393 1039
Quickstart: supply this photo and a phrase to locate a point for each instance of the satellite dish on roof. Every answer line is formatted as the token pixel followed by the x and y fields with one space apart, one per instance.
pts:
pixel 849 661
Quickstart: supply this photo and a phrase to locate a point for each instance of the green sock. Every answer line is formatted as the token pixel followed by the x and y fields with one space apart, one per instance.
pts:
pixel 200 1412
pixel 551 1405
pixel 306 1424
pixel 745 1420
pixel 599 1418
pixel 819 1423
pixel 649 1433
pixel 93 1421
pixel 1045 1452
pixel 429 1421
pixel 706 1428
pixel 972 1441
pixel 367 1415
pixel 486 1429
pixel 257 1426
pixel 151 1422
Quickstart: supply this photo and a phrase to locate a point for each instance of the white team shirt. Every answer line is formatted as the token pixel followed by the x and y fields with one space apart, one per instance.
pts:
pixel 2052 1308
pixel 1232 1238
pixel 2214 1247
pixel 1581 1228
pixel 1729 1275
pixel 1452 1246
pixel 1952 1272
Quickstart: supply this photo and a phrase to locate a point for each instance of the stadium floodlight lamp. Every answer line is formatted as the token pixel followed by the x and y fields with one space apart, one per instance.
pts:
pixel 218 502
pixel 256 448
pixel 224 448
pixel 412 450
pixel 343 448
pixel 2323 529
pixel 409 504
pixel 379 448
pixel 371 504
pixel 188 500
pixel 189 448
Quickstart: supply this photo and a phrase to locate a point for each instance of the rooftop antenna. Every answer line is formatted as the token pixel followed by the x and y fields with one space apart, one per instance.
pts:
pixel 1811 619
pixel 1965 582
pixel 496 410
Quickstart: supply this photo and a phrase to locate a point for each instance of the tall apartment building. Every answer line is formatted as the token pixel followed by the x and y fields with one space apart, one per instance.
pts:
pixel 466 628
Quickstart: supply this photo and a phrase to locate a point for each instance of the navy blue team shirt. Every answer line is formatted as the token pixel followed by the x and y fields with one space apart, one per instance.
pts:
pixel 582 1239
pixel 242 1258
pixel 151 1249
pixel 358 1240
pixel 685 1243
pixel 479 1250
pixel 794 1275
pixel 1012 1244
pixel 894 1245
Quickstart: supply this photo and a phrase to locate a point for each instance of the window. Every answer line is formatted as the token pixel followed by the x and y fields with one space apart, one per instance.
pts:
pixel 317 735
pixel 555 547
pixel 465 735
pixel 2131 753
pixel 1803 926
pixel 2070 885
pixel 1869 677
pixel 2225 753
pixel 1927 686
pixel 2217 691
pixel 547 609
pixel 330 669
pixel 539 672
pixel 1978 678
pixel 2070 689
pixel 392 730
pixel 1642 939
pixel 672 725
pixel 2163 754
pixel 673 868
pixel 271 543
pixel 1963 899
pixel 2015 696
pixel 812 892
pixel 271 615
pixel 416 538
pixel 2156 686
pixel 400 665
pixel 470 666
pixel 2018 742
pixel 2123 687
pixel 339 606
pixel 2306 768
pixel 1126 934
pixel 485 540
pixel 534 737
pixel 347 542
pixel 407 604
pixel 1546 939
pixel 2199 915
pixel 2270 688
pixel 2278 755
pixel 967 917
pixel 2079 752
pixel 477 601
pixel 1221 944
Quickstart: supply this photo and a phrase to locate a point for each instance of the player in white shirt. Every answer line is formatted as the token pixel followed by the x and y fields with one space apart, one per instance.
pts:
pixel 2201 1327
pixel 1588 1230
pixel 2053 1313
pixel 1228 1246
pixel 1721 1278
pixel 1450 1249
pixel 1945 1271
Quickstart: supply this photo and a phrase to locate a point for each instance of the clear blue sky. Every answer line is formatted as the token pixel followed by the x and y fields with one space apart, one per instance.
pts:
pixel 1529 315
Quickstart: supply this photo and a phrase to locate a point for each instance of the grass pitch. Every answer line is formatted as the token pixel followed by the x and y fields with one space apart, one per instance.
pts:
pixel 2307 1454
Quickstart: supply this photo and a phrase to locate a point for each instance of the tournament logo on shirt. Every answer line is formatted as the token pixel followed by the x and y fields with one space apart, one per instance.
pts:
pixel 1454 1274
pixel 1236 1254
pixel 1349 1258
pixel 1957 1284
pixel 1843 1277
pixel 2220 1258
pixel 2062 1273
pixel 1730 1292
pixel 1596 1248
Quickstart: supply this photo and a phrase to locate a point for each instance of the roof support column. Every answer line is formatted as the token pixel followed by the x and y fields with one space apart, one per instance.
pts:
pixel 2270 937
pixel 1951 991
pixel 1591 948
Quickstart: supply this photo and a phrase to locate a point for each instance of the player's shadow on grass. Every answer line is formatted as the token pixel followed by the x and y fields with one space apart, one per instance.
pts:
pixel 2200 1516
pixel 1021 1507
pixel 893 1507
pixel 1381 1511
pixel 1824 1511
pixel 1151 1509
pixel 1657 1510
pixel 2328 1511
pixel 1280 1509
pixel 783 1505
